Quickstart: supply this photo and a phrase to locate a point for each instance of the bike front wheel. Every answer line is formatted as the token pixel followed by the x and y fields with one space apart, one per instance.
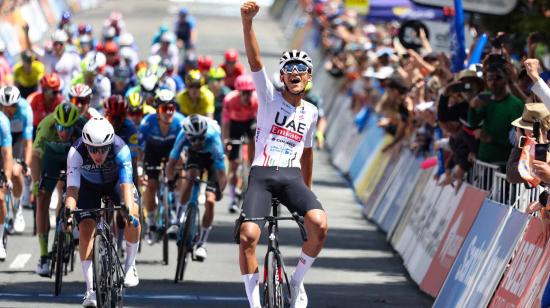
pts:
pixel 103 279
pixel 273 282
pixel 58 261
pixel 185 242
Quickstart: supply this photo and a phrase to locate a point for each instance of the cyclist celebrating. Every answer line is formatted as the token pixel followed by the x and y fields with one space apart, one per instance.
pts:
pixel 157 134
pixel 137 109
pixel 201 138
pixel 44 102
pixel 80 96
pixel 232 67
pixel 96 163
pixel 7 165
pixel 196 99
pixel 239 119
pixel 283 162
pixel 216 86
pixel 54 136
pixel 19 112
pixel 27 73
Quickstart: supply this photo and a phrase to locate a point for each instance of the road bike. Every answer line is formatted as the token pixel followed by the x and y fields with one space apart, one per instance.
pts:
pixel 275 294
pixel 108 270
pixel 243 169
pixel 188 231
pixel 11 210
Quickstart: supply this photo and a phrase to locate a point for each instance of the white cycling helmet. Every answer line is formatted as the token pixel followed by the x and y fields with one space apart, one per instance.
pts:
pixel 164 96
pixel 295 55
pixel 126 39
pixel 60 36
pixel 149 82
pixel 94 62
pixel 195 125
pixel 9 96
pixel 98 132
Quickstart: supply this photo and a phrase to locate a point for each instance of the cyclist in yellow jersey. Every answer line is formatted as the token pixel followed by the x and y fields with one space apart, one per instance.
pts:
pixel 196 98
pixel 27 73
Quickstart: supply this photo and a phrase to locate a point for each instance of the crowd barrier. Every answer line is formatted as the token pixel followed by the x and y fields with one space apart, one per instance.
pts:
pixel 40 15
pixel 472 246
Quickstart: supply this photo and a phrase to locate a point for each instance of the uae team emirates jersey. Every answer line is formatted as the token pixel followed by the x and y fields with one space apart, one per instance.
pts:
pixel 282 130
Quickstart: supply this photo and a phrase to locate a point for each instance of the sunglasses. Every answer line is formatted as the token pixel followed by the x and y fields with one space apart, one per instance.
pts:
pixel 167 108
pixel 495 78
pixel 101 149
pixel 80 100
pixel 61 128
pixel 111 54
pixel 196 139
pixel 246 93
pixel 135 113
pixel 58 43
pixel 298 66
pixel 115 118
pixel 52 92
pixel 195 87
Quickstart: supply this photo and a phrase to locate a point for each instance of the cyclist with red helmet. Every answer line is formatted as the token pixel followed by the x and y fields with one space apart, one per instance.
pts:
pixel 239 119
pixel 232 67
pixel 44 101
pixel 205 64
pixel 81 95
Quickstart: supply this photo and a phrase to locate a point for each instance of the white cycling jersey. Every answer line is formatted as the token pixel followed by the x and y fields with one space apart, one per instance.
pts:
pixel 67 66
pixel 282 130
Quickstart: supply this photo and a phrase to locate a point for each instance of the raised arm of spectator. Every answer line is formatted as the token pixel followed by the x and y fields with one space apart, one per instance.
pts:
pixel 248 11
pixel 424 67
pixel 540 88
pixel 425 42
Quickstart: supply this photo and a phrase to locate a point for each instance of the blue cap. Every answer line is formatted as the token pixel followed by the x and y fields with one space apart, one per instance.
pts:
pixel 184 11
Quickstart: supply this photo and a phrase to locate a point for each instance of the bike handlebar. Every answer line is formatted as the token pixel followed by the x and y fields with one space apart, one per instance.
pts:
pixel 129 218
pixel 297 218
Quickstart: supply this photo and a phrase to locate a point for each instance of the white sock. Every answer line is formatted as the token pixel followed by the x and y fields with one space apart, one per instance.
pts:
pixel 150 218
pixel 1 235
pixel 88 272
pixel 131 252
pixel 232 192
pixel 304 263
pixel 204 235
pixel 251 284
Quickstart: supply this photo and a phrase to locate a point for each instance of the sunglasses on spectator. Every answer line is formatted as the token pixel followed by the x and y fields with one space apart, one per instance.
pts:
pixel 61 128
pixel 101 149
pixel 167 108
pixel 495 78
pixel 196 139
pixel 298 66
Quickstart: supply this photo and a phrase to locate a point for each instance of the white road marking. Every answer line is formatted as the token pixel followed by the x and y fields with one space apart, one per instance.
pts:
pixel 20 261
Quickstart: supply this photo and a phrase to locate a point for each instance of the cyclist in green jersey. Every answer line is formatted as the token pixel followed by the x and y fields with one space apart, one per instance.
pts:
pixel 54 136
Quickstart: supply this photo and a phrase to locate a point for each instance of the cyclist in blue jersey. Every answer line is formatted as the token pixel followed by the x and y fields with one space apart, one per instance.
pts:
pixel 115 112
pixel 157 134
pixel 185 29
pixel 201 139
pixel 96 163
pixel 20 115
pixel 7 163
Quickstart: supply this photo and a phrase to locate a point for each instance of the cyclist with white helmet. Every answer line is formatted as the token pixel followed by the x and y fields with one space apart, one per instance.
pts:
pixel 80 95
pixel 147 88
pixel 201 139
pixel 62 61
pixel 167 49
pixel 238 120
pixel 54 136
pixel 6 163
pixel 157 134
pixel 20 114
pixel 283 162
pixel 92 76
pixel 99 164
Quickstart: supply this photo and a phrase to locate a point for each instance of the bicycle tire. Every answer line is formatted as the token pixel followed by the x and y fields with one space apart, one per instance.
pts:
pixel 59 262
pixel 273 286
pixel 102 271
pixel 184 247
pixel 117 290
pixel 166 222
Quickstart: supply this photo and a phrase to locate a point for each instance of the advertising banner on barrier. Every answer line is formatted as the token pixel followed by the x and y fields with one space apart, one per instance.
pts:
pixel 377 192
pixel 494 265
pixel 371 175
pixel 397 205
pixel 370 145
pixel 535 290
pixel 431 230
pixel 476 249
pixel 449 247
pixel 526 259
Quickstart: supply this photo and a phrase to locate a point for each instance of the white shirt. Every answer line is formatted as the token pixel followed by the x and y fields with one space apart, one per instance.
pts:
pixel 171 54
pixel 67 66
pixel 282 130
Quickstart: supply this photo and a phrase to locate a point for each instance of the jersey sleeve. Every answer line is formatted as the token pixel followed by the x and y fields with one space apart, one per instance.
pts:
pixel 142 133
pixel 209 101
pixel 225 109
pixel 124 161
pixel 39 143
pixel 264 87
pixel 5 140
pixel 28 121
pixel 74 162
pixel 133 139
pixel 178 145
pixel 217 152
pixel 308 142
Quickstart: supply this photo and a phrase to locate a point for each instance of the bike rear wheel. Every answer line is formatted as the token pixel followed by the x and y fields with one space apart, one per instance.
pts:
pixel 273 282
pixel 185 244
pixel 103 280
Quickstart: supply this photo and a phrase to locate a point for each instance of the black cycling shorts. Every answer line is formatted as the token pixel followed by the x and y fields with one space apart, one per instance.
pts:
pixel 90 194
pixel 153 157
pixel 285 184
pixel 236 131
pixel 204 162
